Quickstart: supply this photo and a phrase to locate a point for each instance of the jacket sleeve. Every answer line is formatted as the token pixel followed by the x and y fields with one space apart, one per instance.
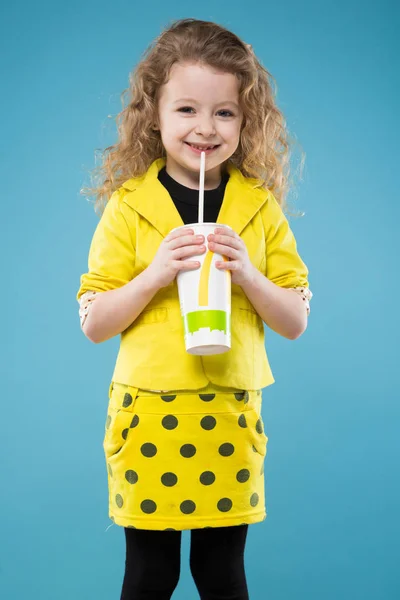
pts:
pixel 111 258
pixel 284 266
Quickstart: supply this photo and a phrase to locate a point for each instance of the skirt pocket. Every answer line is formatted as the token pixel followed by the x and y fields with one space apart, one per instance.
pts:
pixel 256 431
pixel 120 418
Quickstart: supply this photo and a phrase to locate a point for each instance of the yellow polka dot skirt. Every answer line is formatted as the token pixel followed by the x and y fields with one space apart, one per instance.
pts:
pixel 185 460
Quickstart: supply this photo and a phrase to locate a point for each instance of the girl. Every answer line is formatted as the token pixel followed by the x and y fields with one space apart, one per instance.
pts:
pixel 184 437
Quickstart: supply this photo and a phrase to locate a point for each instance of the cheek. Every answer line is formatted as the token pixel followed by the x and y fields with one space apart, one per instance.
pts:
pixel 231 132
pixel 175 129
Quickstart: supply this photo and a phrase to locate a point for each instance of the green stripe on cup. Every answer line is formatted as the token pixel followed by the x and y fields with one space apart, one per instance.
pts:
pixel 214 319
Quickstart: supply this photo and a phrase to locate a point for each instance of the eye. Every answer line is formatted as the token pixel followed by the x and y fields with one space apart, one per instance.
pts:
pixel 184 108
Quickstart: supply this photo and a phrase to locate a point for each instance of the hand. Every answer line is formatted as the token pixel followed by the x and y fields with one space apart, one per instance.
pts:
pixel 228 243
pixel 176 245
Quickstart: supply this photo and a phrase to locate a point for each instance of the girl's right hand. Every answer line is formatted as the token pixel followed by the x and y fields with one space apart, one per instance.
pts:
pixel 175 246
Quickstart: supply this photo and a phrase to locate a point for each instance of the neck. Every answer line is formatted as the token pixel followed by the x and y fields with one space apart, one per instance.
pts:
pixel 190 179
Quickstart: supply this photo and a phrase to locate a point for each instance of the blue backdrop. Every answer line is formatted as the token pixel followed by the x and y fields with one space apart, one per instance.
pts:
pixel 332 417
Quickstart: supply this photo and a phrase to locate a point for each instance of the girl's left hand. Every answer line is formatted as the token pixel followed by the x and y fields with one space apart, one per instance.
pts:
pixel 226 242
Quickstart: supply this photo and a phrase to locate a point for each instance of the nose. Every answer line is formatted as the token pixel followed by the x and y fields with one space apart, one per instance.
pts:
pixel 205 127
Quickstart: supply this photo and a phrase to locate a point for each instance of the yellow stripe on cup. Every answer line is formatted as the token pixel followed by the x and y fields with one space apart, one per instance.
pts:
pixel 205 278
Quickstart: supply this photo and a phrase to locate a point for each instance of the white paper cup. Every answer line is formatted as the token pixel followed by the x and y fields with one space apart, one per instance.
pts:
pixel 205 299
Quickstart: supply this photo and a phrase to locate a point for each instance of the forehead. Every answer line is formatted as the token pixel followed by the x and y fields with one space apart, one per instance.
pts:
pixel 199 81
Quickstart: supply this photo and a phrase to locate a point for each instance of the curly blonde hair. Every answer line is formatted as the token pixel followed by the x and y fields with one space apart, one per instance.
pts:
pixel 263 151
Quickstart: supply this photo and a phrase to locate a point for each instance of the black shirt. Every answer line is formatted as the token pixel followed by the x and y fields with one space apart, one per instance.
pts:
pixel 186 200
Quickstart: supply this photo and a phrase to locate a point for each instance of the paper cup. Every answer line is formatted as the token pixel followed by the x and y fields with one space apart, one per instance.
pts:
pixel 205 299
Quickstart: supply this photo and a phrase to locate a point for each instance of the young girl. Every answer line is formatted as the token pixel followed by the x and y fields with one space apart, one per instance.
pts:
pixel 184 437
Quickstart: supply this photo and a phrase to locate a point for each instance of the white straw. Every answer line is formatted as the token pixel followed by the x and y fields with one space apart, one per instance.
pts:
pixel 201 191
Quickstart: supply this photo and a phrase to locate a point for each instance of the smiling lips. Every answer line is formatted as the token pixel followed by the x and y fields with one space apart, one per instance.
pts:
pixel 199 149
pixel 199 146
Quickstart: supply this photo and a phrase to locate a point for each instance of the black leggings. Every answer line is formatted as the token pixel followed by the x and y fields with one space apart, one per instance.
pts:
pixel 153 562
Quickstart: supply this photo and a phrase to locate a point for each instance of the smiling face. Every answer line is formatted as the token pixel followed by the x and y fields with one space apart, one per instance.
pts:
pixel 199 105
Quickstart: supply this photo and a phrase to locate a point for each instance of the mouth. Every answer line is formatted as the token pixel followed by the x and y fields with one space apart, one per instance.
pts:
pixel 198 149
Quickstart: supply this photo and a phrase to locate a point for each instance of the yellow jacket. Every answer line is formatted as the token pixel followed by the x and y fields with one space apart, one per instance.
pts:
pixel 152 352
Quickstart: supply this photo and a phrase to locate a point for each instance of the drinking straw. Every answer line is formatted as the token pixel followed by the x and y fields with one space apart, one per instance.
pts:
pixel 201 191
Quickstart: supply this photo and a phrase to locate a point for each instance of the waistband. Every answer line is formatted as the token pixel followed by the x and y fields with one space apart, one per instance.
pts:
pixel 208 399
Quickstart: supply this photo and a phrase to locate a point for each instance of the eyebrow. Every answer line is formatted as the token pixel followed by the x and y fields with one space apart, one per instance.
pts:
pixel 195 102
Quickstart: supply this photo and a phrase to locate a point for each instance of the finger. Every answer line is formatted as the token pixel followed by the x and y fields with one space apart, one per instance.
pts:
pixel 226 240
pixel 228 234
pixel 225 230
pixel 173 235
pixel 221 249
pixel 181 239
pixel 230 265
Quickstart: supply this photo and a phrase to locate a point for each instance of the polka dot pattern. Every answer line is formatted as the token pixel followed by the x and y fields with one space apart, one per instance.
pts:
pixel 169 479
pixel 131 476
pixel 169 422
pixel 188 507
pixel 224 504
pixel 149 450
pixel 185 460
pixel 148 506
pixel 207 478
pixel 188 450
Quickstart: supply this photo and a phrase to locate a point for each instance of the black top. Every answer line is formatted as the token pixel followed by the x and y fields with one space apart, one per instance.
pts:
pixel 186 200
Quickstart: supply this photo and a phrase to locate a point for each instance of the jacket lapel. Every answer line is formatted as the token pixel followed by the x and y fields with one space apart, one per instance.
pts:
pixel 151 200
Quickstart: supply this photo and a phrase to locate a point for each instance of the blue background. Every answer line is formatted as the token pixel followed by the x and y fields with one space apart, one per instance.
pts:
pixel 332 417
